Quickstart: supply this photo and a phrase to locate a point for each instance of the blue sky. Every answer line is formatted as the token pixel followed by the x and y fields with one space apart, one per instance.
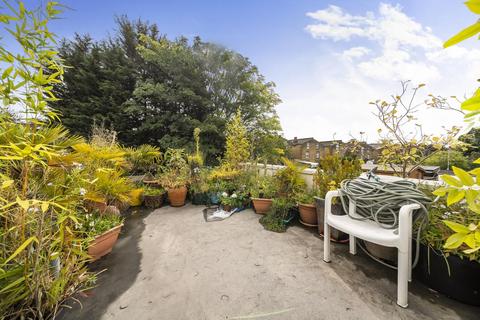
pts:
pixel 327 66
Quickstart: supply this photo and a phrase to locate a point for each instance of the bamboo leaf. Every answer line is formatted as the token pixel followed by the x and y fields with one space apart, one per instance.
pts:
pixel 21 248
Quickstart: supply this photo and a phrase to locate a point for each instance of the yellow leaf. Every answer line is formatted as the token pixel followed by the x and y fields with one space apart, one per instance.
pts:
pixel 466 33
pixel 457 227
pixel 451 180
pixel 454 196
pixel 21 248
pixel 25 204
pixel 6 184
pixel 45 206
pixel 463 176
pixel 454 241
pixel 471 104
pixel 473 5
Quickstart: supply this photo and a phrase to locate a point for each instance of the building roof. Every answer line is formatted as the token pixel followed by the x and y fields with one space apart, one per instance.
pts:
pixel 296 140
pixel 385 168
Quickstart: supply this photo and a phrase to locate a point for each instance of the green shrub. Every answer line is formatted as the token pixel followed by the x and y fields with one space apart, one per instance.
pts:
pixel 274 219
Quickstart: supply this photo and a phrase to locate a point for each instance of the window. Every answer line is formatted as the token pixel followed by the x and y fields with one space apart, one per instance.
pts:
pixel 317 155
pixel 308 145
pixel 307 155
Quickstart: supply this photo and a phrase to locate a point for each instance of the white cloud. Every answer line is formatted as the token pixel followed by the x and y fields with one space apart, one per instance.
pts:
pixel 388 46
pixel 355 52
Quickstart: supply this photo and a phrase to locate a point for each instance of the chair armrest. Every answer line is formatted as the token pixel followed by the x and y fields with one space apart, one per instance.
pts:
pixel 328 201
pixel 405 221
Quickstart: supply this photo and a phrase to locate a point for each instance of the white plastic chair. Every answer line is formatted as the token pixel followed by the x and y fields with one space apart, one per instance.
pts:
pixel 370 231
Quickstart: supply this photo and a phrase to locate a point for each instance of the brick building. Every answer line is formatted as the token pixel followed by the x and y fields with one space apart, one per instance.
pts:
pixel 309 149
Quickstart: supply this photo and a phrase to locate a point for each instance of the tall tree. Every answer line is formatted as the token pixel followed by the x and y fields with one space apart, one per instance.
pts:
pixel 154 90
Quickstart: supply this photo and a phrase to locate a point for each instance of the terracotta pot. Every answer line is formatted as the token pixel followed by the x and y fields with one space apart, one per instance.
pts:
pixel 91 206
pixel 262 206
pixel 177 196
pixel 388 254
pixel 227 208
pixel 308 214
pixel 153 202
pixel 103 243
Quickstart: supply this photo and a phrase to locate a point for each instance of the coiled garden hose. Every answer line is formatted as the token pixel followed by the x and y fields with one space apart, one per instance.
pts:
pixel 381 201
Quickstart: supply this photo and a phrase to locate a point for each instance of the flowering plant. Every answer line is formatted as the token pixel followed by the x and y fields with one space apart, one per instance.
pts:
pixel 234 200
pixel 95 223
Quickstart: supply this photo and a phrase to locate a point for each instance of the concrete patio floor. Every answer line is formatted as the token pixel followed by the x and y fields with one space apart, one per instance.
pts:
pixel 171 264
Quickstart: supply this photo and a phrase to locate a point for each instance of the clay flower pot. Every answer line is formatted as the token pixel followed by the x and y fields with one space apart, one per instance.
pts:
pixel 308 214
pixel 91 206
pixel 177 196
pixel 103 243
pixel 153 201
pixel 262 206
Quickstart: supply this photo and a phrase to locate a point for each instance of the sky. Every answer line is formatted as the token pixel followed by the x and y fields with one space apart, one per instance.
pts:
pixel 328 59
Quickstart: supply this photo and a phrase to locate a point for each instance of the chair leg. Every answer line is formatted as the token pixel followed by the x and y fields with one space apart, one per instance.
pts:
pixel 326 242
pixel 410 257
pixel 402 279
pixel 353 244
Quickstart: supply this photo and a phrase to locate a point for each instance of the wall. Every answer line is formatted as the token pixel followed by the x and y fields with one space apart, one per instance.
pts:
pixel 307 175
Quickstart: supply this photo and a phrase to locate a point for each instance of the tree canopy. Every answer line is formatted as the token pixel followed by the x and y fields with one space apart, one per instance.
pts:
pixel 154 90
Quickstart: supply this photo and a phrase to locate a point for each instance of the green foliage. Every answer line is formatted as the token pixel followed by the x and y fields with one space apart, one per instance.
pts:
pixel 263 187
pixel 288 180
pixel 156 91
pixel 109 186
pixel 446 159
pixel 464 185
pixel 234 200
pixel 151 191
pixel 307 197
pixel 442 220
pixel 332 170
pixel 41 256
pixel 237 146
pixel 274 220
pixel 143 159
pixel 175 172
pixel 95 224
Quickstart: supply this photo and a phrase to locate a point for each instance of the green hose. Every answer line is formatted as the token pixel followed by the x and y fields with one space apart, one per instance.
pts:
pixel 381 202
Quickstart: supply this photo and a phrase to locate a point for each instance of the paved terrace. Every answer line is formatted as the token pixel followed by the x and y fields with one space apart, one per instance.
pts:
pixel 171 264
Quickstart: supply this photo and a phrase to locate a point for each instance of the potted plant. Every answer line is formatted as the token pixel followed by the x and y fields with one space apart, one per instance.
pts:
pixel 109 187
pixel 262 194
pixel 153 197
pixel 231 201
pixel 103 229
pixel 175 177
pixel 332 170
pixel 199 186
pixel 307 208
pixel 453 272
pixel 279 215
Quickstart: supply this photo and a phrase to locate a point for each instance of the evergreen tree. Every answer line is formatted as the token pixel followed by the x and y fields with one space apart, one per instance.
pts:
pixel 154 90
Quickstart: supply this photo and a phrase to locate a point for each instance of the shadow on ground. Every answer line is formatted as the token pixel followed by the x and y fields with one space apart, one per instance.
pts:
pixel 117 271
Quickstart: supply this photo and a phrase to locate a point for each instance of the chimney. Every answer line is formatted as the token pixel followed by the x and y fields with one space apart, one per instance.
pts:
pixel 295 140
